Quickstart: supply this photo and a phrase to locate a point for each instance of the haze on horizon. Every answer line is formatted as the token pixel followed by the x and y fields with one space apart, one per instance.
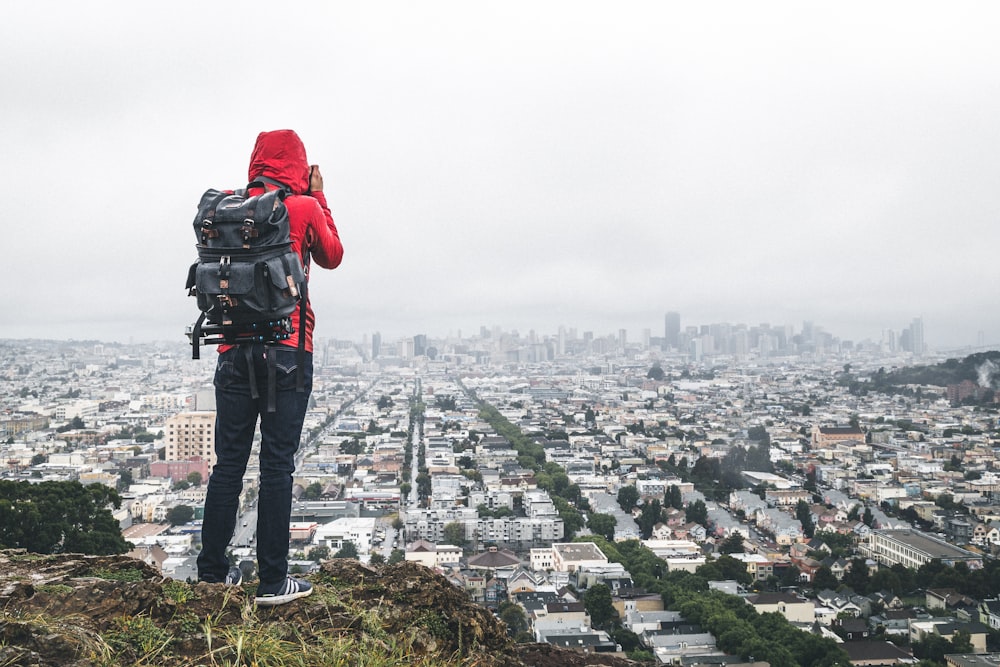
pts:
pixel 525 165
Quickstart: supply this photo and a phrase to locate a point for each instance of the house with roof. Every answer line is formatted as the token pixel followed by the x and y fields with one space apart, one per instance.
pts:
pixel 580 640
pixel 152 554
pixel 887 600
pixel 636 601
pixel 643 621
pixel 572 556
pixel 989 613
pixel 758 567
pixel 558 615
pixel 946 598
pixel 494 558
pixel 522 580
pixel 852 629
pixel 896 622
pixel 434 556
pixel 876 654
pixel 846 603
pixel 794 608
pixel 948 628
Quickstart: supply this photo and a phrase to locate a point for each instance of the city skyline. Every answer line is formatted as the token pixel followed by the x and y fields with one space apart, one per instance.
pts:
pixel 593 167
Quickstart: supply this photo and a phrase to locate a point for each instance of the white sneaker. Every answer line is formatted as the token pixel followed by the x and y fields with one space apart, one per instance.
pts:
pixel 282 592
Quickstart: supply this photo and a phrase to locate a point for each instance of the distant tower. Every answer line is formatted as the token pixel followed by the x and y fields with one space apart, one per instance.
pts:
pixel 419 345
pixel 672 329
pixel 376 344
pixel 917 336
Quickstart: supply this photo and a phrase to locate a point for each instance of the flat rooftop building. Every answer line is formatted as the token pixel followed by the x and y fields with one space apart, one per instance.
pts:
pixel 912 548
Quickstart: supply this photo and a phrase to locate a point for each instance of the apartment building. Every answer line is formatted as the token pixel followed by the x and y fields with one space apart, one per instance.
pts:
pixel 190 434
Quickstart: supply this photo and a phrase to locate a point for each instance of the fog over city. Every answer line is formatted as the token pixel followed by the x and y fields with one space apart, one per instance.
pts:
pixel 527 165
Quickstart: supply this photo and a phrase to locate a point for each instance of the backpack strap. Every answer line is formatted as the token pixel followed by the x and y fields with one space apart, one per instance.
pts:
pixel 300 381
pixel 196 336
pixel 262 180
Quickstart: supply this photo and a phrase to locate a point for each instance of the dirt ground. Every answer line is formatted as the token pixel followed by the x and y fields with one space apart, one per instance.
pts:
pixel 75 610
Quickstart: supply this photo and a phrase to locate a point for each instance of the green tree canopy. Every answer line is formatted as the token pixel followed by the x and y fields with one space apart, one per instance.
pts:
pixel 347 550
pixel 180 514
pixel 696 512
pixel 60 517
pixel 514 617
pixel 454 533
pixel 628 497
pixel 732 544
pixel 598 603
pixel 603 525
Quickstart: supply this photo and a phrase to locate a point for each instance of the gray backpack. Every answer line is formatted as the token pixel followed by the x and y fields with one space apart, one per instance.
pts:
pixel 248 280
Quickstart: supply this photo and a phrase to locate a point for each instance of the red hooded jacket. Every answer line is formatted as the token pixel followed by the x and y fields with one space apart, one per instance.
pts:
pixel 281 155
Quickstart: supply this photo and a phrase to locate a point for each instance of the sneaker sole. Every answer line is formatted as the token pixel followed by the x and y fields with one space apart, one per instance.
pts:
pixel 274 600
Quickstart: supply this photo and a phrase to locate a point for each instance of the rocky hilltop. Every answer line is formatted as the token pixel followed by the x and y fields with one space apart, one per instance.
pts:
pixel 77 610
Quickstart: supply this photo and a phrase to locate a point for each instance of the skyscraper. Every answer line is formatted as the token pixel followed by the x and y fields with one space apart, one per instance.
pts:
pixel 672 329
pixel 917 336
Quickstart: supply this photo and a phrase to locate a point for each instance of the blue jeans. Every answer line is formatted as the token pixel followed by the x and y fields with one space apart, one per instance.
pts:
pixel 237 412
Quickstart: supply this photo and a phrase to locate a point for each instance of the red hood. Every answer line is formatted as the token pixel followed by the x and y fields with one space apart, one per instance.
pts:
pixel 281 155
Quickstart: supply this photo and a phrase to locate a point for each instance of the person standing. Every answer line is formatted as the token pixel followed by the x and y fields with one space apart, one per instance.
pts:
pixel 278 160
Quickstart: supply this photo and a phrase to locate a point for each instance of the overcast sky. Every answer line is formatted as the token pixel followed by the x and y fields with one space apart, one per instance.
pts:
pixel 522 164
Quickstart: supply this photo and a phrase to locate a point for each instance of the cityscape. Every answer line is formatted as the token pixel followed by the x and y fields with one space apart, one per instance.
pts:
pixel 488 457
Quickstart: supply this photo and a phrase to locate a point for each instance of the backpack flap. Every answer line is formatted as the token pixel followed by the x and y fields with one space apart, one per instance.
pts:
pixel 233 220
pixel 286 274
pixel 242 290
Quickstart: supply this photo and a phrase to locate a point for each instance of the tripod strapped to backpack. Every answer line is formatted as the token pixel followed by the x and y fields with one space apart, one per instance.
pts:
pixel 200 333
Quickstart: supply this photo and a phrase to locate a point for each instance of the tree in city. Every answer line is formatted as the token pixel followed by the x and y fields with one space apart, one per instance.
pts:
pixel 867 518
pixel 313 491
pixel 513 616
pixel 454 533
pixel 124 479
pixel 194 478
pixel 445 403
pixel 397 556
pixel 857 576
pixel 628 497
pixel 603 525
pixel 376 558
pixel 696 512
pixel 320 553
pixel 824 579
pixel 60 517
pixel 732 544
pixel 571 517
pixel 673 497
pixel 649 517
pixel 655 373
pixel 423 485
pixel 178 515
pixel 724 568
pixel 803 512
pixel 347 550
pixel 352 446
pixel 598 603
